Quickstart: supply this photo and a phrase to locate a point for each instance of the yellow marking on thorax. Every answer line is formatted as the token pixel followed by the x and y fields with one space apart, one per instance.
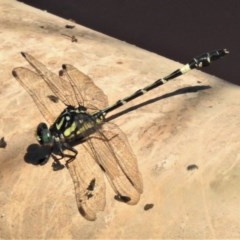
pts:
pixel 85 127
pixel 69 130
pixel 59 125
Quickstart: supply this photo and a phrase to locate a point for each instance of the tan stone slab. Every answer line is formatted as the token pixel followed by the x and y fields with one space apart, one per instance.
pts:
pixel 167 134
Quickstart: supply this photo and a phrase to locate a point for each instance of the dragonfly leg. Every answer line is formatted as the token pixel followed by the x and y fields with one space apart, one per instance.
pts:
pixel 70 157
pixel 56 165
pixel 60 155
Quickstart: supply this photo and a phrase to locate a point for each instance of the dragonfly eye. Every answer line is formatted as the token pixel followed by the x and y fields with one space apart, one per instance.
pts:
pixel 43 134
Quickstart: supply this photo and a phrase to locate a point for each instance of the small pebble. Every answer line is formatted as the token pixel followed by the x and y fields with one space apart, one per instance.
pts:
pixel 69 26
pixel 3 143
pixel 148 206
pixel 192 167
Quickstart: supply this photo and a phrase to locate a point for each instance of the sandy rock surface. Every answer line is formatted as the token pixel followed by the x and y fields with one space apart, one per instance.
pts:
pixel 184 134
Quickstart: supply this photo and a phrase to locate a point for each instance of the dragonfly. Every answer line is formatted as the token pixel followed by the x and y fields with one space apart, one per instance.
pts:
pixel 81 135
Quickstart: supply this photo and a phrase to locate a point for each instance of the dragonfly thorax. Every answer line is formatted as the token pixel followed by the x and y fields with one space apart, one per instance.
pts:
pixel 74 123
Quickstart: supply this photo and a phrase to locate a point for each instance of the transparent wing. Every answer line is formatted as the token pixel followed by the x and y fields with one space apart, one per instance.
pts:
pixel 72 87
pixel 91 96
pixel 106 150
pixel 111 150
pixel 59 87
pixel 39 91
pixel 88 182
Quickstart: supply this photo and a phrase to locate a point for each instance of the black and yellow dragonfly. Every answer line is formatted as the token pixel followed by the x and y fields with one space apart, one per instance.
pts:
pixel 81 133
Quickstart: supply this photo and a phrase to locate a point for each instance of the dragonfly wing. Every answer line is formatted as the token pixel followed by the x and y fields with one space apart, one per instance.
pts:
pixel 84 88
pixel 74 89
pixel 59 87
pixel 39 91
pixel 88 182
pixel 122 150
pixel 114 154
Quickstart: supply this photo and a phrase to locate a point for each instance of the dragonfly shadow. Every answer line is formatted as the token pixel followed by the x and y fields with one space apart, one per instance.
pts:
pixel 180 91
pixel 36 154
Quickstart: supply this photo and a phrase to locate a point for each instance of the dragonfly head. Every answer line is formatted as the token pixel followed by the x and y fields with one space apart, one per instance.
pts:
pixel 44 135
